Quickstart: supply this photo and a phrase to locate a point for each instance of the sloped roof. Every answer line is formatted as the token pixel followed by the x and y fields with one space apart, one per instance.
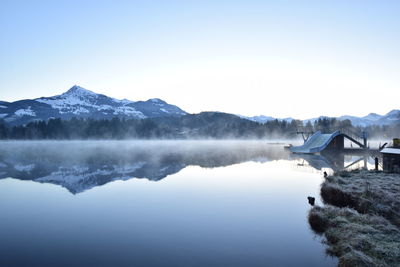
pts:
pixel 391 150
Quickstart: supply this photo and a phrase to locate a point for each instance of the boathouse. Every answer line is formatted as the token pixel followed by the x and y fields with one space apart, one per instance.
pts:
pixel 391 157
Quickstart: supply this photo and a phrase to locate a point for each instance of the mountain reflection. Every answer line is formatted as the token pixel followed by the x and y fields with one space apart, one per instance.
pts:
pixel 79 166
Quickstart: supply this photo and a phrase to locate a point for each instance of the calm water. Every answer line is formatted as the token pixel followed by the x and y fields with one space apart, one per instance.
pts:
pixel 166 203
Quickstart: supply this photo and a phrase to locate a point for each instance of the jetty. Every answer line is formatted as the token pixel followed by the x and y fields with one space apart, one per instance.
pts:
pixel 333 141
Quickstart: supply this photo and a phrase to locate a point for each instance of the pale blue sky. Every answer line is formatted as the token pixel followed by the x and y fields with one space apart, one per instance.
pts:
pixel 278 58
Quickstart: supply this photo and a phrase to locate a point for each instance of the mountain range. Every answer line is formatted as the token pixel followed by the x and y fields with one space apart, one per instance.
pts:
pixel 81 103
pixel 368 120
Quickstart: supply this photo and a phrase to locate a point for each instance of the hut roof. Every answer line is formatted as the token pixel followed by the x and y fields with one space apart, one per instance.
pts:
pixel 391 150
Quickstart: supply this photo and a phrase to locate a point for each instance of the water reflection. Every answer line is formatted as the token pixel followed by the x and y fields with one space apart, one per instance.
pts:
pixel 79 166
pixel 336 161
pixel 248 214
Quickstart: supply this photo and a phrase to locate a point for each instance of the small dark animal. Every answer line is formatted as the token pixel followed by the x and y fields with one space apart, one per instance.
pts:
pixel 325 174
pixel 311 200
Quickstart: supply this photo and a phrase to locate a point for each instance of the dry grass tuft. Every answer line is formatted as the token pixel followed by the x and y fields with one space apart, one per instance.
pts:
pixel 366 192
pixel 358 239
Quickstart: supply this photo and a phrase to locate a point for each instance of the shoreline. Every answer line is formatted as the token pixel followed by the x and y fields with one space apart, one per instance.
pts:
pixel 360 221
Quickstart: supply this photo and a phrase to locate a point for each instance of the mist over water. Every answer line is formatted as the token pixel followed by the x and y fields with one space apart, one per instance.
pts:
pixel 94 163
pixel 157 203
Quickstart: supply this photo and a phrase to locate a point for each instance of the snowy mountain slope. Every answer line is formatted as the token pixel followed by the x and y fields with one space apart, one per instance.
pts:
pixel 81 103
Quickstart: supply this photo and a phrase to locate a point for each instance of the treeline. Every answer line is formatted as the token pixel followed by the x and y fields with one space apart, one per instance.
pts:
pixel 195 126
pixel 385 132
pixel 80 129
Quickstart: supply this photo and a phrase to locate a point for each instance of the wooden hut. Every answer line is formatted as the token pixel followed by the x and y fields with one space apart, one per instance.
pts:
pixel 391 159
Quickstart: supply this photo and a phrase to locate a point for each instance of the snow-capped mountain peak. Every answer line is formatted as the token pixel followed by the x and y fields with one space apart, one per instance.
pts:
pixel 156 100
pixel 76 90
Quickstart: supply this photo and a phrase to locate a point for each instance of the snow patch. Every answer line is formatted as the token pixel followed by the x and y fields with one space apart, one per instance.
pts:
pixel 155 100
pixel 25 112
pixel 128 111
pixel 69 104
pixel 122 101
pixel 24 168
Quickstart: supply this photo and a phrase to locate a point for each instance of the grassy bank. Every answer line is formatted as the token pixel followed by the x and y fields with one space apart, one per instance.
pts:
pixel 361 218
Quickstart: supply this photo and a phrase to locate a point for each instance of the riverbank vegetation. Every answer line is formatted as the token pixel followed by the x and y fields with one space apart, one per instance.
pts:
pixel 361 218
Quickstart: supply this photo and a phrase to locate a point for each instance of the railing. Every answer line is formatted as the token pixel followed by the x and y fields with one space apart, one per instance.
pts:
pixel 356 136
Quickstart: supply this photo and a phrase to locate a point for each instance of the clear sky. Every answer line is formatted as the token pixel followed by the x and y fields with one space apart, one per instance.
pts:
pixel 279 58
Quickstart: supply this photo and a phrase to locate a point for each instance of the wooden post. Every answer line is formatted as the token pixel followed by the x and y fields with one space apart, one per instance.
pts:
pixel 364 136
pixel 376 164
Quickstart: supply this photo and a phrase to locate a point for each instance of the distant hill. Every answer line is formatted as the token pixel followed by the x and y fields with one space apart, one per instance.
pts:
pixel 264 119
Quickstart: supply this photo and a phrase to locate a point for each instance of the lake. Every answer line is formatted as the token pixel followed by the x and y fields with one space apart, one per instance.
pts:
pixel 158 203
